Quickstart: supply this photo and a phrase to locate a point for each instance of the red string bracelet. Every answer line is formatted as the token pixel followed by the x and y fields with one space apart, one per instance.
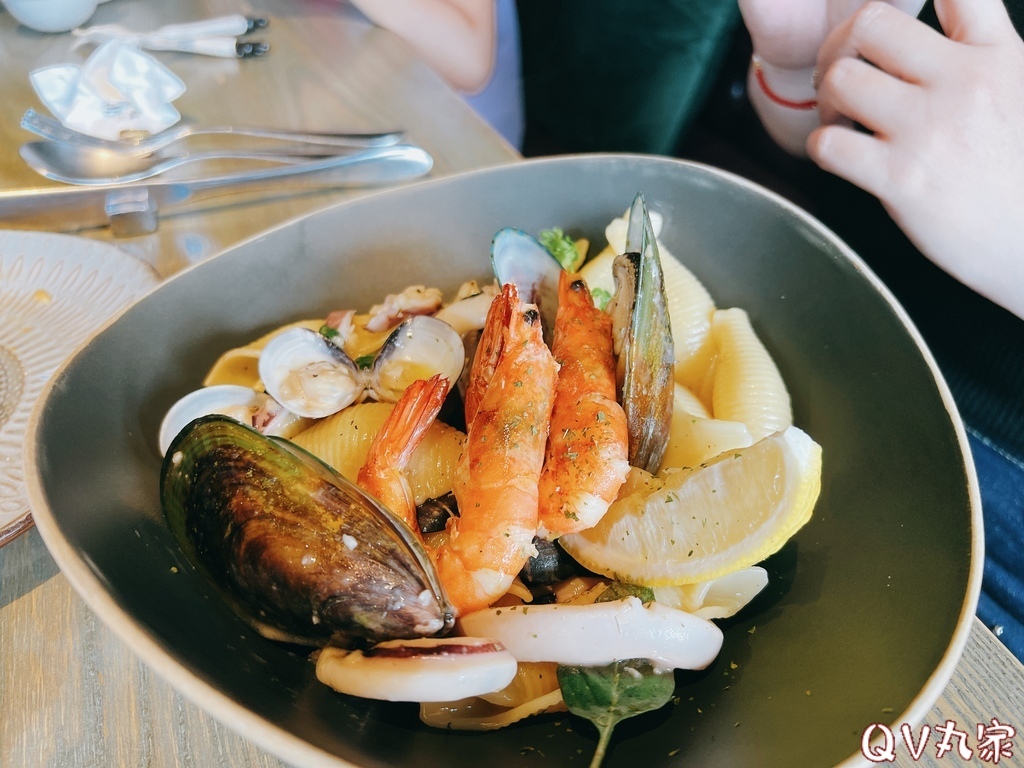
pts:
pixel 772 96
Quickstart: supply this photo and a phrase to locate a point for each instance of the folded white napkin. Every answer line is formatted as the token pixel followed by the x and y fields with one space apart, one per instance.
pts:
pixel 118 88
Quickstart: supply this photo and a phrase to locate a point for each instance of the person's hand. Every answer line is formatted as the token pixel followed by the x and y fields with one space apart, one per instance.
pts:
pixel 946 150
pixel 787 36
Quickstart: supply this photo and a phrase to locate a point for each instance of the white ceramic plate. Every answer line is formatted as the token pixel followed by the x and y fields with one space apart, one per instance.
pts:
pixel 55 290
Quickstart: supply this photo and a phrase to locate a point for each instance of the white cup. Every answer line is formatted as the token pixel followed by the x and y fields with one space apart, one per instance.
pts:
pixel 51 15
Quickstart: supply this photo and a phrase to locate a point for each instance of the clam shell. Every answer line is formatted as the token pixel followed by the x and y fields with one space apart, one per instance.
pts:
pixel 238 402
pixel 418 348
pixel 308 375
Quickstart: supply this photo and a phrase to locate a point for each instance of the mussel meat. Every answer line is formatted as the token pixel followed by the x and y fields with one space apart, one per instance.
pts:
pixel 300 553
pixel 643 342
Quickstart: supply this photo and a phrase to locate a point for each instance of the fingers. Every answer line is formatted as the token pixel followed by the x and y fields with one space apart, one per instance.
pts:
pixel 890 39
pixel 857 157
pixel 976 22
pixel 785 33
pixel 857 90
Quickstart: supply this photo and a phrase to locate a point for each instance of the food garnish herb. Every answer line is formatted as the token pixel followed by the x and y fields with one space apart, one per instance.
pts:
pixel 618 590
pixel 601 297
pixel 562 247
pixel 365 361
pixel 605 695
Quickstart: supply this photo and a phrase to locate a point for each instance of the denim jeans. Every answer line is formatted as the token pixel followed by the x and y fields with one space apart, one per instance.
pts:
pixel 1001 606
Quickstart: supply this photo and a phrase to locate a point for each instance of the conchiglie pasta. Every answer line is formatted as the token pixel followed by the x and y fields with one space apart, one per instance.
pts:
pixel 685 400
pixel 314 324
pixel 533 691
pixel 343 440
pixel 533 679
pixel 690 308
pixel 238 366
pixel 241 364
pixel 693 438
pixel 747 387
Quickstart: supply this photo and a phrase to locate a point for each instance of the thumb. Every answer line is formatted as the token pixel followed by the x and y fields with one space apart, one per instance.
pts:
pixel 975 22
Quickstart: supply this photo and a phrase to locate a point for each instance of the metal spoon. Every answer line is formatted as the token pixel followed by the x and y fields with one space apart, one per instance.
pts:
pixel 144 144
pixel 85 166
pixel 132 209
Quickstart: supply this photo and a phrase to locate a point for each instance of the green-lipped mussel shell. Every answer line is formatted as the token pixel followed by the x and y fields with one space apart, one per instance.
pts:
pixel 299 552
pixel 643 343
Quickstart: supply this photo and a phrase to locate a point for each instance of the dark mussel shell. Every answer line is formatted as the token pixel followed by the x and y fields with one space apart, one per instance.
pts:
pixel 643 342
pixel 300 553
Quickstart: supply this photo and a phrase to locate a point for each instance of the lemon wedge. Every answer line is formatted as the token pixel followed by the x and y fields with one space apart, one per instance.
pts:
pixel 687 526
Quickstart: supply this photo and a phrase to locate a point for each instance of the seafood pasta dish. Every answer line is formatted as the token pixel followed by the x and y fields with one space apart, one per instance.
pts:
pixel 533 496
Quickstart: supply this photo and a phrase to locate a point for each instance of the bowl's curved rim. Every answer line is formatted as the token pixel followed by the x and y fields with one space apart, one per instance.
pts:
pixel 293 749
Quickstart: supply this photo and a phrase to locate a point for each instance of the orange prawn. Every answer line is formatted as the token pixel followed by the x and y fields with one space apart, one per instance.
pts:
pixel 509 403
pixel 586 461
pixel 383 474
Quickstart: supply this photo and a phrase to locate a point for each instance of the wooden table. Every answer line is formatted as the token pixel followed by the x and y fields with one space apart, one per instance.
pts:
pixel 328 70
pixel 71 693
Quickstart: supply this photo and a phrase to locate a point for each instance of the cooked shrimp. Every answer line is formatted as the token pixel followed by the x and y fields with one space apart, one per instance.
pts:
pixel 488 350
pixel 586 459
pixel 383 474
pixel 496 483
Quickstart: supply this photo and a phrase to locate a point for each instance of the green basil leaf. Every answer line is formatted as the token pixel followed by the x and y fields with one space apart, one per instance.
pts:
pixel 609 694
pixel 601 297
pixel 562 247
pixel 618 590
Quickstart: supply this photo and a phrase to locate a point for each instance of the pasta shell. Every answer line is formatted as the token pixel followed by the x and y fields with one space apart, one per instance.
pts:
pixel 236 366
pixel 690 308
pixel 239 365
pixel 478 714
pixel 533 679
pixel 748 387
pixel 693 439
pixel 343 440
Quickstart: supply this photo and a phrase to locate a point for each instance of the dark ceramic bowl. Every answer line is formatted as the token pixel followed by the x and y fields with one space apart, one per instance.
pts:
pixel 868 607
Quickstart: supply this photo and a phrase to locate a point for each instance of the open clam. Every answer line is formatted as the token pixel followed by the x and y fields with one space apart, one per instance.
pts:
pixel 418 348
pixel 309 375
pixel 299 552
pixel 312 377
pixel 643 342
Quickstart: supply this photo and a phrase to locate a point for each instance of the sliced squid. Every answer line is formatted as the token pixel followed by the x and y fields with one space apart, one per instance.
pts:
pixel 582 635
pixel 718 598
pixel 421 669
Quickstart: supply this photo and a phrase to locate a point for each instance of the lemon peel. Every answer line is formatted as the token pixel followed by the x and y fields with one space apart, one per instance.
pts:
pixel 687 526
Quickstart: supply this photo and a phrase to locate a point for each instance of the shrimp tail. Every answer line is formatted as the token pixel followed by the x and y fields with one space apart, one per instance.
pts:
pixel 383 474
pixel 489 348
